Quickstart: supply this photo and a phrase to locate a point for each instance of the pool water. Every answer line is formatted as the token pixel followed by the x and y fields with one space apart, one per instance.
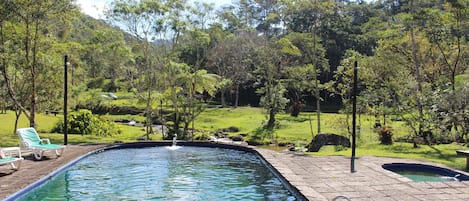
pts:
pixel 159 173
pixel 425 176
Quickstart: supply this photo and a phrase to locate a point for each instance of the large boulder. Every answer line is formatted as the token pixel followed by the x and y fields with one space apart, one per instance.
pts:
pixel 327 139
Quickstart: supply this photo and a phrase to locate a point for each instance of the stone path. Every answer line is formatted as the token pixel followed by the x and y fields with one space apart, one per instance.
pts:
pixel 325 178
pixel 317 178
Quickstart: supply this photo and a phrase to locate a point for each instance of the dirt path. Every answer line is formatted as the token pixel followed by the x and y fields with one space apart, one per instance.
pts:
pixel 12 181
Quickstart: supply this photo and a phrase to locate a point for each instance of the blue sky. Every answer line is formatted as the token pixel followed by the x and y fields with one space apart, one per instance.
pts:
pixel 96 8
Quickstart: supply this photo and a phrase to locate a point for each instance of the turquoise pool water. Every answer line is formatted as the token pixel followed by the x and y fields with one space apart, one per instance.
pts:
pixel 159 173
pixel 425 176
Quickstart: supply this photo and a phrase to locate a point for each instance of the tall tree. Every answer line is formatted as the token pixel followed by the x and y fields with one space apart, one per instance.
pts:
pixel 268 72
pixel 34 22
pixel 233 59
pixel 147 21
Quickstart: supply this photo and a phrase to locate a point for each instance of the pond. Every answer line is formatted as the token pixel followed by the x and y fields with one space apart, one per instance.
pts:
pixel 160 173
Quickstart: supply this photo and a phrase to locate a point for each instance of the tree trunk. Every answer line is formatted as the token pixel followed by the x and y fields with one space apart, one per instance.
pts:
pixel 236 96
pixel 418 77
pixel 148 115
pixel 17 117
pixel 223 102
pixel 271 122
pixel 296 108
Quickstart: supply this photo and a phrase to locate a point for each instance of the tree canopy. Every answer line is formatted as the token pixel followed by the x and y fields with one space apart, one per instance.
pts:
pixel 281 55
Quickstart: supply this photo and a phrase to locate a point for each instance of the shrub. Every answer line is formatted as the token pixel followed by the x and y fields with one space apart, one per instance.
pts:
pixel 385 135
pixel 85 123
pixel 97 83
pixel 261 136
pixel 340 148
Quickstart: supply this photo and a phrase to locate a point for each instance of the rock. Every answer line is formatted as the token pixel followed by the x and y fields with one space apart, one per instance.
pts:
pixel 219 134
pixel 237 138
pixel 113 96
pixel 231 129
pixel 327 139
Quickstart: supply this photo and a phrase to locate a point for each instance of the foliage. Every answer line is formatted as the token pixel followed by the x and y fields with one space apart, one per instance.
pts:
pixel 85 123
pixel 412 60
pixel 30 32
pixel 262 136
pixel 385 135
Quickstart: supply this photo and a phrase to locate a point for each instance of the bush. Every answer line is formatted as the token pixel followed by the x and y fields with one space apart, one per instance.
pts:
pixel 85 123
pixel 96 83
pixel 385 135
pixel 98 108
pixel 261 136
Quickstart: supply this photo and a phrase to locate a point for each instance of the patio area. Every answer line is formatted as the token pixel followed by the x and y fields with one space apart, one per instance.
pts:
pixel 325 178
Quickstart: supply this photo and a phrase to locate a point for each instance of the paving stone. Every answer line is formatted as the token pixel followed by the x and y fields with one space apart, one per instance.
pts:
pixel 405 197
pixel 438 184
pixel 451 191
pixel 457 184
pixel 462 196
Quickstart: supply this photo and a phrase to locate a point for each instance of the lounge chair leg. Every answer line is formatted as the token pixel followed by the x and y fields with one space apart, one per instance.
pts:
pixel 38 154
pixel 19 164
pixel 16 166
pixel 59 153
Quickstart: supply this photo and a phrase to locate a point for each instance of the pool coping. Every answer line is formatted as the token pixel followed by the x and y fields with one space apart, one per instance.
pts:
pixel 295 192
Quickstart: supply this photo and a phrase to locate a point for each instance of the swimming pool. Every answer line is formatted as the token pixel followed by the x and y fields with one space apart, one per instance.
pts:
pixel 425 173
pixel 159 173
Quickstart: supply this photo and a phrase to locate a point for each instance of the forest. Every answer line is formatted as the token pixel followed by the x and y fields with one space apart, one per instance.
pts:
pixel 176 58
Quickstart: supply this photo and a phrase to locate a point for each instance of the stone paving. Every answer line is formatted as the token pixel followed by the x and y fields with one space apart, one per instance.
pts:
pixel 325 178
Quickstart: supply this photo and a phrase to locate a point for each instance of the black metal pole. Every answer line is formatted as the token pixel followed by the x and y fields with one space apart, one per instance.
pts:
pixel 354 117
pixel 65 98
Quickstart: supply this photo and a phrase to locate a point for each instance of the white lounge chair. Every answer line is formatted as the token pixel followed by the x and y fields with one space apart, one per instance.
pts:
pixel 6 157
pixel 30 140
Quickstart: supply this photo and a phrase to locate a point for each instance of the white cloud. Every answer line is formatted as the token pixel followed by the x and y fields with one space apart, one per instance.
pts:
pixel 96 8
pixel 93 8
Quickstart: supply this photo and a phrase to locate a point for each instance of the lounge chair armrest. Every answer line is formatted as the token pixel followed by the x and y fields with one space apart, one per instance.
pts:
pixel 47 141
pixel 9 150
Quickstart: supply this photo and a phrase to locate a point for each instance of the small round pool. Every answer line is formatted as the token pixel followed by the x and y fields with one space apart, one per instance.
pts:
pixel 161 173
pixel 425 173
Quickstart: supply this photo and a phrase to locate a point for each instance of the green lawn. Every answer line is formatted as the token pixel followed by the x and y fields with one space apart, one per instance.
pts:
pixel 46 122
pixel 248 120
pixel 291 129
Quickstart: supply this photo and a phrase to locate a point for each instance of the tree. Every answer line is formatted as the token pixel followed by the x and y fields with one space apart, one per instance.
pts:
pixel 303 71
pixel 146 20
pixel 342 83
pixel 445 31
pixel 232 59
pixel 271 89
pixel 34 23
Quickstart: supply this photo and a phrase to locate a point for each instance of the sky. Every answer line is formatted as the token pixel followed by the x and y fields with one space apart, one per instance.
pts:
pixel 96 8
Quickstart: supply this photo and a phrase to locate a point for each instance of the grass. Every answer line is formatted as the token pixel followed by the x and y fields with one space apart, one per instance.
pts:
pixel 248 119
pixel 45 123
pixel 290 129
